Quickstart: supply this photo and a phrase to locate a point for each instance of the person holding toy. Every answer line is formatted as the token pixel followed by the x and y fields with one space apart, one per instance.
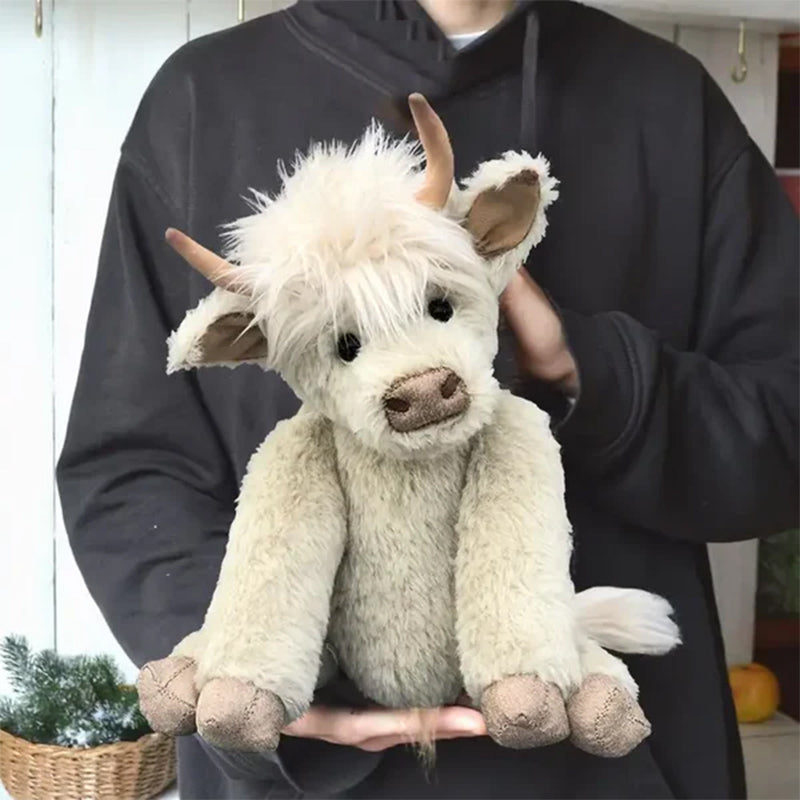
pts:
pixel 656 323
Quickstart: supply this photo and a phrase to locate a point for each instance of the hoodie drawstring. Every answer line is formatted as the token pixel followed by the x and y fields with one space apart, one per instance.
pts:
pixel 528 138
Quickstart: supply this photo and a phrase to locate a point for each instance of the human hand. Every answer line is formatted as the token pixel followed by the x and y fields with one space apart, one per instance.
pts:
pixel 542 350
pixel 380 729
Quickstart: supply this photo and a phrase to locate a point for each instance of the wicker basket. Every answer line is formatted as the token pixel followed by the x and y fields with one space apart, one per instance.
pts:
pixel 122 771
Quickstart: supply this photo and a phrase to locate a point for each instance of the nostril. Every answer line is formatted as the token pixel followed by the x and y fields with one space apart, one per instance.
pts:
pixel 449 385
pixel 397 404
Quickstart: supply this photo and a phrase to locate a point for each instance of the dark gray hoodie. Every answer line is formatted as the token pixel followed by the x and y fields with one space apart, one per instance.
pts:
pixel 671 254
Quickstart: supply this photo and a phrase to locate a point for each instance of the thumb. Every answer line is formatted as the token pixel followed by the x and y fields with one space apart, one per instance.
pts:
pixel 520 291
pixel 529 314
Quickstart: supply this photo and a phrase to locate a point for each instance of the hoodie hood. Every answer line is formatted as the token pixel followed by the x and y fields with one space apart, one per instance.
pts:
pixel 398 48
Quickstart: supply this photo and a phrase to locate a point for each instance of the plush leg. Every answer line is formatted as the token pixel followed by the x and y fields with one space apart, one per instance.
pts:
pixel 604 716
pixel 167 695
pixel 523 711
pixel 254 664
pixel 235 715
pixel 269 614
pixel 167 687
pixel 516 625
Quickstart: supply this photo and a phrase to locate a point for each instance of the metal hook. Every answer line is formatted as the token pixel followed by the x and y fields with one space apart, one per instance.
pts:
pixel 38 18
pixel 739 72
pixel 240 10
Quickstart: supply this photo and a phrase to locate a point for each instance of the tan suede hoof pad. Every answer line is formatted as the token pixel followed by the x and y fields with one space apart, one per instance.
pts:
pixel 605 719
pixel 522 711
pixel 167 696
pixel 235 715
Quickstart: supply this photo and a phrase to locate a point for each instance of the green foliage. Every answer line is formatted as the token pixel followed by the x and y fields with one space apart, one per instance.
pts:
pixel 73 701
pixel 779 575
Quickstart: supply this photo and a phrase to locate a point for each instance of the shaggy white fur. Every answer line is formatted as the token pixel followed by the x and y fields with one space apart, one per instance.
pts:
pixel 436 558
pixel 314 261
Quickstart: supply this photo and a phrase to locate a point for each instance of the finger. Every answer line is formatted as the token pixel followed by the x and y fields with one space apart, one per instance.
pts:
pixel 358 727
pixel 209 264
pixel 455 721
pixel 449 730
pixel 319 722
pixel 404 724
pixel 382 743
pixel 351 726
pixel 450 722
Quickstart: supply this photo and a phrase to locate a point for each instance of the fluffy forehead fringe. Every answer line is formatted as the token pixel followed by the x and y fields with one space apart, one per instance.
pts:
pixel 346 245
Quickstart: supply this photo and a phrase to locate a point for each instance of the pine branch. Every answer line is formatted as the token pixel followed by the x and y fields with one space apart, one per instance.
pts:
pixel 16 658
pixel 77 701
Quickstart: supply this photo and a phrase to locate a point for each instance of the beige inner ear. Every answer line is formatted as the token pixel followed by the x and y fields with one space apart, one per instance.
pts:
pixel 229 339
pixel 501 218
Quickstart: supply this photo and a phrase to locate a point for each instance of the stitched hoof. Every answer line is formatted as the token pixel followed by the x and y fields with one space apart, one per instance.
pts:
pixel 167 695
pixel 235 715
pixel 523 711
pixel 605 719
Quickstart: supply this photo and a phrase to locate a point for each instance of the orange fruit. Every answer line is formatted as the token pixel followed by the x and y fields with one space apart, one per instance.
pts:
pixel 756 693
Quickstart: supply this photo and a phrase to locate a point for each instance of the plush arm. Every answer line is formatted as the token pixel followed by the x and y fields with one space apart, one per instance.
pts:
pixel 701 445
pixel 269 613
pixel 513 587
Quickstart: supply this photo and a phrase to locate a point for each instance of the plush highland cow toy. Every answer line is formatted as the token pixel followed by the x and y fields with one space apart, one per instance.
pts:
pixel 412 512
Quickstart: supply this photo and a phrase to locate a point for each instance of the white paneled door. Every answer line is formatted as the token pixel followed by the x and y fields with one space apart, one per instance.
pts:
pixel 26 332
pixel 66 100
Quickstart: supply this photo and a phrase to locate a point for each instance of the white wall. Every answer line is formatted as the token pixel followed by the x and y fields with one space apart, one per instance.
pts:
pixel 67 100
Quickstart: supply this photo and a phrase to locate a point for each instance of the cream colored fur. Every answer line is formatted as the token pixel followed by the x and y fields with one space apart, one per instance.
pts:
pixel 514 536
pixel 393 616
pixel 269 614
pixel 436 559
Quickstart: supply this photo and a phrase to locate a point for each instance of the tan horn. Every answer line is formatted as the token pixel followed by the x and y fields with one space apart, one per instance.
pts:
pixel 439 168
pixel 216 269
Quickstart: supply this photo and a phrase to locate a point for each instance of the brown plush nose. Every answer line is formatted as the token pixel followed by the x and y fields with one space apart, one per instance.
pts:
pixel 425 399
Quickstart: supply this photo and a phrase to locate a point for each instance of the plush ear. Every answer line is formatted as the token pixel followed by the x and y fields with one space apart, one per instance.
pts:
pixel 220 331
pixel 503 206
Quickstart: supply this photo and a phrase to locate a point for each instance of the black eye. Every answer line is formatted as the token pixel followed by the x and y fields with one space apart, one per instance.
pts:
pixel 440 309
pixel 348 346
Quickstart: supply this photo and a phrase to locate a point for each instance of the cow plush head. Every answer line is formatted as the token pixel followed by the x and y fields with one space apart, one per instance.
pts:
pixel 371 285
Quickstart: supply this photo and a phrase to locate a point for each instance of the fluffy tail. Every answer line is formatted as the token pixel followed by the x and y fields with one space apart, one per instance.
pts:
pixel 627 620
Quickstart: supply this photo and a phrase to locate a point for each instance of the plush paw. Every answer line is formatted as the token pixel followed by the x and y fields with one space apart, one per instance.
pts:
pixel 167 695
pixel 235 715
pixel 605 719
pixel 523 711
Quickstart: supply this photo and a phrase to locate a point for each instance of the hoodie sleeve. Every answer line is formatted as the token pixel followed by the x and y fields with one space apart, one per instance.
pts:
pixel 147 490
pixel 701 445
